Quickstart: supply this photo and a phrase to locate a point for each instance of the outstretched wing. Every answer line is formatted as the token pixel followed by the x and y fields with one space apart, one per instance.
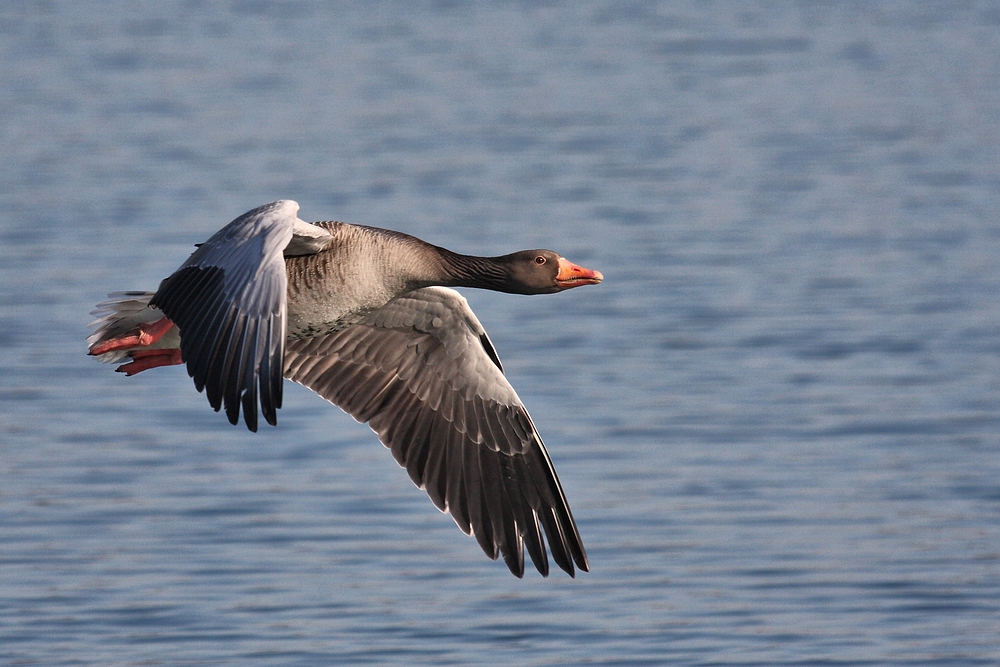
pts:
pixel 423 373
pixel 229 302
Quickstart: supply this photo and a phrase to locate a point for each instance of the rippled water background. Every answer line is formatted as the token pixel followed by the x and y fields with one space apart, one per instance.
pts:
pixel 776 421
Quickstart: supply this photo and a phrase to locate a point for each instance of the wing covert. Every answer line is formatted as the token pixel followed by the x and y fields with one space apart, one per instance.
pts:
pixel 422 373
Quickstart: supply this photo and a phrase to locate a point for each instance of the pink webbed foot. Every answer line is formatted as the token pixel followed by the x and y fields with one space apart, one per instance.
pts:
pixel 142 336
pixel 143 360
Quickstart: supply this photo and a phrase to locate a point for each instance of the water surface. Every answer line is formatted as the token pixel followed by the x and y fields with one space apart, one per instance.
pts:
pixel 776 421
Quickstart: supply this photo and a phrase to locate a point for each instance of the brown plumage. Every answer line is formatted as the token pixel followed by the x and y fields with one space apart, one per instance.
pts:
pixel 364 317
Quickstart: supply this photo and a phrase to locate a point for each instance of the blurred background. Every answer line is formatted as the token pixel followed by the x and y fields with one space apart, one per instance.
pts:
pixel 776 420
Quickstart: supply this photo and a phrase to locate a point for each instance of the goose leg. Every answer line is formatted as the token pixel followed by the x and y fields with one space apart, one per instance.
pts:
pixel 143 335
pixel 137 343
pixel 143 360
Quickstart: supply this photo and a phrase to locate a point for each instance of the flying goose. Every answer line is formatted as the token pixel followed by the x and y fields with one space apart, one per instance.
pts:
pixel 365 318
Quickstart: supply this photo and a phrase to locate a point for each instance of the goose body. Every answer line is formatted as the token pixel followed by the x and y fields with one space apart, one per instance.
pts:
pixel 365 318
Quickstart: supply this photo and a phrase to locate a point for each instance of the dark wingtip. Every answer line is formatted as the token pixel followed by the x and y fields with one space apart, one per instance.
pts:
pixel 250 418
pixel 233 414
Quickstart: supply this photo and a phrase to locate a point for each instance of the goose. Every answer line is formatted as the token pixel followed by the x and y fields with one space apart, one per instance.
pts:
pixel 365 317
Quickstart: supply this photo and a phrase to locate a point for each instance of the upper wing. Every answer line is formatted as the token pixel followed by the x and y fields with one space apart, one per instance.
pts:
pixel 423 373
pixel 229 302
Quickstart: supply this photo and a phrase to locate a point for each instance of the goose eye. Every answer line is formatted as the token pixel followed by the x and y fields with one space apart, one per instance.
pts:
pixel 539 260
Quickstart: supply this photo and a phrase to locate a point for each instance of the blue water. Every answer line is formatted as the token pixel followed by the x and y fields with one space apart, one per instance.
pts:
pixel 777 421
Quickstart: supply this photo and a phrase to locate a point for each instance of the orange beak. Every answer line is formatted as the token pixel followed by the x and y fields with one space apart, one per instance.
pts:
pixel 571 275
